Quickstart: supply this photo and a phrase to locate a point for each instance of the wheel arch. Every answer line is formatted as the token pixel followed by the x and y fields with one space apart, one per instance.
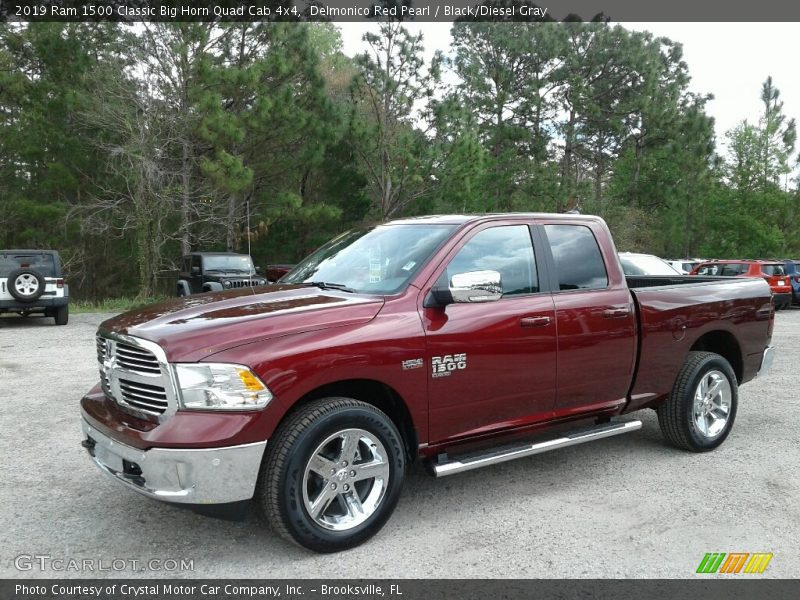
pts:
pixel 725 344
pixel 376 393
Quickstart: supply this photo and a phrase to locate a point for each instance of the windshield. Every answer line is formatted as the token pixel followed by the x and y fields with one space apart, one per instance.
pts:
pixel 379 260
pixel 228 263
pixel 645 264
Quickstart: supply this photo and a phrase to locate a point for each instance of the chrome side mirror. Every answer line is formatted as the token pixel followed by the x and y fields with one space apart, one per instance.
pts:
pixel 476 286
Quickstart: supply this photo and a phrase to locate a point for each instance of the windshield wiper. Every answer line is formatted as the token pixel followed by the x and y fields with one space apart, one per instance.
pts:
pixel 326 285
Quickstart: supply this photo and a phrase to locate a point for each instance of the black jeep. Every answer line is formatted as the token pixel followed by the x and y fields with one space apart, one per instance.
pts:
pixel 217 271
pixel 31 282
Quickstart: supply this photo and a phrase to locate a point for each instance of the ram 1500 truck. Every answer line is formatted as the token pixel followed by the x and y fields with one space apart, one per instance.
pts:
pixel 463 341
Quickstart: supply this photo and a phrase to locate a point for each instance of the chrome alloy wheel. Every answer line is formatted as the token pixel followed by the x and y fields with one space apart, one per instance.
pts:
pixel 346 479
pixel 712 404
pixel 26 284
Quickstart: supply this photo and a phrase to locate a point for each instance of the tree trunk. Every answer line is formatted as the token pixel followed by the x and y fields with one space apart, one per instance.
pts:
pixel 186 246
pixel 230 229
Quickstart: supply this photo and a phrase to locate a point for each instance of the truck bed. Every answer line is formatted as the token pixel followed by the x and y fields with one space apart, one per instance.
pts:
pixel 683 313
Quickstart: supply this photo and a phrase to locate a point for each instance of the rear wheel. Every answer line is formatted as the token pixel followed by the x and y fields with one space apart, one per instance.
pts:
pixel 62 315
pixel 699 413
pixel 333 474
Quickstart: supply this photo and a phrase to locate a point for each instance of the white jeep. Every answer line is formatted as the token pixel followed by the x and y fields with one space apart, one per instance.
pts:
pixel 31 282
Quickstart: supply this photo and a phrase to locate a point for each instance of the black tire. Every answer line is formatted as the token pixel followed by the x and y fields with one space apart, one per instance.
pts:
pixel 280 490
pixel 62 315
pixel 28 274
pixel 676 415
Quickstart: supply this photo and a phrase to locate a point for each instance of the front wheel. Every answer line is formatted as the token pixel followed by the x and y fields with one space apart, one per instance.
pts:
pixel 699 413
pixel 333 474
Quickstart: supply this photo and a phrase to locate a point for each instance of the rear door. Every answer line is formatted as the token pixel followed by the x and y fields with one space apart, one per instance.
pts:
pixel 492 365
pixel 595 319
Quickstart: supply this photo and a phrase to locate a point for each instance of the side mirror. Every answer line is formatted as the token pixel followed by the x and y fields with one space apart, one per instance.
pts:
pixel 259 270
pixel 195 270
pixel 471 287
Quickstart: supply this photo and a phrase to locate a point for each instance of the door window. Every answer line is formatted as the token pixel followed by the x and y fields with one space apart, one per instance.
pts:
pixel 578 261
pixel 507 250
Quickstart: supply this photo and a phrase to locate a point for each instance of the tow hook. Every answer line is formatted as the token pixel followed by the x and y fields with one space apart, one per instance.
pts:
pixel 89 444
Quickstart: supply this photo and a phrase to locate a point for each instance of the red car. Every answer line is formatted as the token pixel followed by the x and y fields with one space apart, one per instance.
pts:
pixel 771 271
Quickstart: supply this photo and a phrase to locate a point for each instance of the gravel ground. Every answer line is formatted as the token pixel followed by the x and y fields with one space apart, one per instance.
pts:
pixel 628 506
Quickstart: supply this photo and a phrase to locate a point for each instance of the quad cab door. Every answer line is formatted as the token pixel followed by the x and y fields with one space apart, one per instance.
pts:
pixel 492 365
pixel 595 318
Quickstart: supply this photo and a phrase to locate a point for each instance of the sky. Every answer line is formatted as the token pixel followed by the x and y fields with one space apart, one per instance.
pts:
pixel 728 60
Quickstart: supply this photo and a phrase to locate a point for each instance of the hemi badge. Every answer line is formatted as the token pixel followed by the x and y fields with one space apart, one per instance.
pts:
pixel 414 363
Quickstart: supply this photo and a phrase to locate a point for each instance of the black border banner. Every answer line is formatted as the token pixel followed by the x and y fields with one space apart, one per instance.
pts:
pixel 706 588
pixel 406 10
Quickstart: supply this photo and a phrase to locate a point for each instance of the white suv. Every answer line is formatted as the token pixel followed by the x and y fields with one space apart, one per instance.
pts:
pixel 31 281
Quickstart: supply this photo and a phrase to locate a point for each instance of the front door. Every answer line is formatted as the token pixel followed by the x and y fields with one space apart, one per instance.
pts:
pixel 491 365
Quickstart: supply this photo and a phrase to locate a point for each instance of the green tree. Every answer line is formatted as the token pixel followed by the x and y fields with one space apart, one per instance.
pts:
pixel 390 89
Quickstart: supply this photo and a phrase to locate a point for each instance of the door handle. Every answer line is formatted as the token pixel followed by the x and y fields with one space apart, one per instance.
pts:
pixel 534 321
pixel 617 312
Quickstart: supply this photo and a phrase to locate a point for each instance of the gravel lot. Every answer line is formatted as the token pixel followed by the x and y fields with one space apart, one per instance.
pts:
pixel 628 506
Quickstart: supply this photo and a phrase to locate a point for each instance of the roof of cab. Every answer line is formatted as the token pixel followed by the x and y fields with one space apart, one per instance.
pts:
pixel 463 219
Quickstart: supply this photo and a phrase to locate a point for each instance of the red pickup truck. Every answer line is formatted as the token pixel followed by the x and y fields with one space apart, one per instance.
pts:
pixel 463 341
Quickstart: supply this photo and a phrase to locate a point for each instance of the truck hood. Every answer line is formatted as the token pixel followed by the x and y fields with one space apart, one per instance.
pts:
pixel 190 329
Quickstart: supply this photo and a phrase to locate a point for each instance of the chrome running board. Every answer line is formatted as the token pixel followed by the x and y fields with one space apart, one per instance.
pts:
pixel 495 456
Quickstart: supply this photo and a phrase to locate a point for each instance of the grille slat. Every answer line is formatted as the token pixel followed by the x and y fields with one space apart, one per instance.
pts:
pixel 131 351
pixel 156 390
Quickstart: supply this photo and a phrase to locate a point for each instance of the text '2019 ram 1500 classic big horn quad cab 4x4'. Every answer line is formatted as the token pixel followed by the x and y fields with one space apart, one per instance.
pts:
pixel 463 341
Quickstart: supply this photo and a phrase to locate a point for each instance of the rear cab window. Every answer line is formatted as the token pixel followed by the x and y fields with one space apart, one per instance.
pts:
pixel 578 261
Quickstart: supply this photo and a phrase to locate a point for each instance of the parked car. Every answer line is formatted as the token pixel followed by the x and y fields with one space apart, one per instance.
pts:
pixel 275 272
pixel 792 270
pixel 645 264
pixel 772 271
pixel 446 339
pixel 217 271
pixel 686 265
pixel 32 282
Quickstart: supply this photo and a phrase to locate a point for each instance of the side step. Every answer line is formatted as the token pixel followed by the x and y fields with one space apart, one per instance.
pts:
pixel 500 455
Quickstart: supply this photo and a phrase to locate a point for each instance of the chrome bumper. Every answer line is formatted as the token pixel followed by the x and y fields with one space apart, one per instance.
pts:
pixel 191 476
pixel 766 360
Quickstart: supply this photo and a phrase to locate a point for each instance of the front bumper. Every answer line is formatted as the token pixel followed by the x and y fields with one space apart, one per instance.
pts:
pixel 190 476
pixel 40 303
pixel 766 360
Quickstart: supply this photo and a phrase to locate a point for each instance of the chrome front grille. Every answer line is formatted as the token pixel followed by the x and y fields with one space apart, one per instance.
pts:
pixel 144 396
pixel 137 360
pixel 135 375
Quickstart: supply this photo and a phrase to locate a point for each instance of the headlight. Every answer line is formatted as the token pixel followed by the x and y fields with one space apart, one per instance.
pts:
pixel 227 284
pixel 262 282
pixel 220 386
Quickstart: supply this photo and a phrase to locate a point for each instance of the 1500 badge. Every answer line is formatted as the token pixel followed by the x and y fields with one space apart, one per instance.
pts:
pixel 442 366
